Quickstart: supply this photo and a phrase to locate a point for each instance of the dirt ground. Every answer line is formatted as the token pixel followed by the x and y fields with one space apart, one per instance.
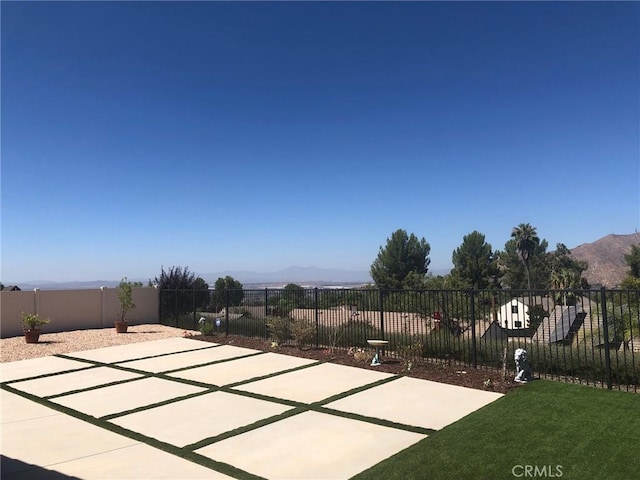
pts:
pixel 436 371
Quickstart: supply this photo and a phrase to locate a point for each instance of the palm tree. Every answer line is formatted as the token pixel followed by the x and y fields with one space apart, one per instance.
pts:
pixel 527 240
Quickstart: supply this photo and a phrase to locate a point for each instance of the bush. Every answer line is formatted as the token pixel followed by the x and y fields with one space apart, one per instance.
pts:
pixel 248 327
pixel 410 353
pixel 355 333
pixel 303 331
pixel 279 329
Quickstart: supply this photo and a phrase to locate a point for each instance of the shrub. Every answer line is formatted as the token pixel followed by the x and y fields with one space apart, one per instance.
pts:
pixel 360 354
pixel 410 354
pixel 206 326
pixel 355 333
pixel 31 321
pixel 303 331
pixel 279 329
pixel 249 327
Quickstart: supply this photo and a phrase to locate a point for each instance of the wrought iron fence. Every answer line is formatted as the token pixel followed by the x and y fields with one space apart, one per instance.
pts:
pixel 589 336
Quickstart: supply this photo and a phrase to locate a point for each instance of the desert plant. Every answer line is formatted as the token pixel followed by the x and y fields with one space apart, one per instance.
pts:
pixel 279 329
pixel 31 321
pixel 334 337
pixel 303 331
pixel 360 354
pixel 410 354
pixel 125 297
pixel 206 326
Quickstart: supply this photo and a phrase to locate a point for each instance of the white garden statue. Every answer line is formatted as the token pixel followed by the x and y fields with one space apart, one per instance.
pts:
pixel 523 369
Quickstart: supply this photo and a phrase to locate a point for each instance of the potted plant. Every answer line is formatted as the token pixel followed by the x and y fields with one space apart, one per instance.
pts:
pixel 30 324
pixel 125 297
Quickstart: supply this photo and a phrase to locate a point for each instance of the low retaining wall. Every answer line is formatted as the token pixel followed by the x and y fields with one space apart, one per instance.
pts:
pixel 75 309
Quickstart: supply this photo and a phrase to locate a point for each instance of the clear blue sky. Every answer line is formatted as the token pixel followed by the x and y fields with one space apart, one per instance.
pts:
pixel 254 136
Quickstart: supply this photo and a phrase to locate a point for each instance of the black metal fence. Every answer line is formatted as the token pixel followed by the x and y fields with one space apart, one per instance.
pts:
pixel 590 336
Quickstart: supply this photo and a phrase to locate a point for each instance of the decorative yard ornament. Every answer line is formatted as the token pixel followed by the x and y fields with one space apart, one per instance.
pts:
pixel 523 369
pixel 376 360
pixel 377 344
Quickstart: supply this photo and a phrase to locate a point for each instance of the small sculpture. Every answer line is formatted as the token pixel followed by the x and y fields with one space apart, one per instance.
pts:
pixel 523 369
pixel 376 360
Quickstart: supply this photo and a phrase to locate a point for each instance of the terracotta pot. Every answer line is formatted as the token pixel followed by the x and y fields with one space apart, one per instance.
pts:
pixel 121 327
pixel 32 335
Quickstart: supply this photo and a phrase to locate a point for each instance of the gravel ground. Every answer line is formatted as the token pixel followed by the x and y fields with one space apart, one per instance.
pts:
pixel 15 348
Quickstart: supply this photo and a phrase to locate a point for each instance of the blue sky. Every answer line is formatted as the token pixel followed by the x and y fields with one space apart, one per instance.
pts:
pixel 254 136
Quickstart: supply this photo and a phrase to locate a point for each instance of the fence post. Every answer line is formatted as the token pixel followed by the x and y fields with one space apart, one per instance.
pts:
pixel 226 311
pixel 175 308
pixel 382 313
pixel 607 347
pixel 315 303
pixel 103 306
pixel 193 304
pixel 36 301
pixel 474 352
pixel 266 302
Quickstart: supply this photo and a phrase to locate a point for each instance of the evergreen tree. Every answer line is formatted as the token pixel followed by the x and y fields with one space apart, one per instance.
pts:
pixel 227 287
pixel 475 264
pixel 632 279
pixel 402 263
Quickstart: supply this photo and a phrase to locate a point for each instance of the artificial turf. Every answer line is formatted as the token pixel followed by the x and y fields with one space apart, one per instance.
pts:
pixel 544 429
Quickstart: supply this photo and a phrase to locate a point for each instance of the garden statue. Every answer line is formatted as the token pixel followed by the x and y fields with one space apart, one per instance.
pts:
pixel 523 369
pixel 375 362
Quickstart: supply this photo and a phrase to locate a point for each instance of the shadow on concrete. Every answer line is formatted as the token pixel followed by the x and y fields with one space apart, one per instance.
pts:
pixel 12 468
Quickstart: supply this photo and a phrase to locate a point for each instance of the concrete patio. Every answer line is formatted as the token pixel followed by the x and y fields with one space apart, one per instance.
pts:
pixel 182 408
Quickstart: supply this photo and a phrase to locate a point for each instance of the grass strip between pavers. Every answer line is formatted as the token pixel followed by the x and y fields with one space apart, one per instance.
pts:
pixel 119 364
pixel 156 404
pixel 377 421
pixel 271 375
pixel 189 455
pixel 69 356
pixel 213 362
pixel 246 428
pixel 52 374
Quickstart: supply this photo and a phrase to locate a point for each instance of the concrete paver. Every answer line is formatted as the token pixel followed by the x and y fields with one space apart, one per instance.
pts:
pixel 135 462
pixel 186 359
pixel 132 351
pixel 438 404
pixel 199 417
pixel 314 383
pixel 58 438
pixel 311 445
pixel 242 369
pixel 126 396
pixel 67 382
pixel 14 409
pixel 37 366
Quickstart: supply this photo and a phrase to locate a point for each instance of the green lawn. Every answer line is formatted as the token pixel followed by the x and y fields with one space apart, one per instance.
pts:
pixel 587 432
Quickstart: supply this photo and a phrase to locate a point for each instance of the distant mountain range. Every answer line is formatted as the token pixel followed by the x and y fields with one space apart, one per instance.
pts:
pixel 313 276
pixel 294 274
pixel 605 257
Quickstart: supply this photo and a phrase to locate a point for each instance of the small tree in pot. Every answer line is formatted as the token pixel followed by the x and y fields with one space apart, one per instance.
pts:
pixel 30 324
pixel 125 297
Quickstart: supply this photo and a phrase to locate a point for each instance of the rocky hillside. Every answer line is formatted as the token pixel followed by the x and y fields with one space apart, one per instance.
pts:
pixel 606 258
